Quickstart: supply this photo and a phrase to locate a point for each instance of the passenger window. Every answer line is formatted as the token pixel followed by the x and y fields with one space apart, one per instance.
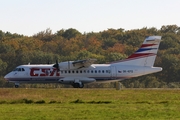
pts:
pixel 69 71
pixel 65 71
pixel 91 71
pixel 76 71
pixel 87 71
pixel 73 71
pixel 84 71
pixel 102 71
pixel 95 71
pixel 80 71
pixel 108 71
pixel 99 71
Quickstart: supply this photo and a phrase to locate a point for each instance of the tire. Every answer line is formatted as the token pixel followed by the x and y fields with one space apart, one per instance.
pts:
pixel 81 85
pixel 16 86
pixel 76 85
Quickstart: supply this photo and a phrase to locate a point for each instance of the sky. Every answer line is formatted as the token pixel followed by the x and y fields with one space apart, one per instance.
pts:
pixel 28 17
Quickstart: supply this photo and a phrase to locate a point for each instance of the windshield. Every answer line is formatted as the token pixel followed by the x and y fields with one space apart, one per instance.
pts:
pixel 19 69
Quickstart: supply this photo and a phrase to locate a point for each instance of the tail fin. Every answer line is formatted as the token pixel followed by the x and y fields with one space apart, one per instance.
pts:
pixel 145 55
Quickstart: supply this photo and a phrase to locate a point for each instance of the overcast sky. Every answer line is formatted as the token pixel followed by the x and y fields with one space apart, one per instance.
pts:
pixel 29 17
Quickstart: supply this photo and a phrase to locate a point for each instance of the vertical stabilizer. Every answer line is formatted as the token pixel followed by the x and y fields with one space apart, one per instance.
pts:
pixel 145 55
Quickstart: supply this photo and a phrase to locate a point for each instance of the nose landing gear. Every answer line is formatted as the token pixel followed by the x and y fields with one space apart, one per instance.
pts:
pixel 16 85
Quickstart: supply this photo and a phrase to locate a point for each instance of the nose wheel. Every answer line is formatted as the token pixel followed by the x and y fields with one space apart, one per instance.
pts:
pixel 16 85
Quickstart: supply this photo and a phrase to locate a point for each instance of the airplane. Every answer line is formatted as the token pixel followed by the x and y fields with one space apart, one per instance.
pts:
pixel 77 73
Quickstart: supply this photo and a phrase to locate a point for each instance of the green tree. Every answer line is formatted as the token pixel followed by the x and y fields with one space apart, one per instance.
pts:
pixel 171 66
pixel 115 57
pixel 170 29
pixel 3 66
pixel 45 35
pixel 71 33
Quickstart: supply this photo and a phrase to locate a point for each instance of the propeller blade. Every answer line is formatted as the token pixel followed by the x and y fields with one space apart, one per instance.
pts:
pixel 56 65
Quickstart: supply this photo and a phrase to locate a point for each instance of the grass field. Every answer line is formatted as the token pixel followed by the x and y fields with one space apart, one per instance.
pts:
pixel 90 104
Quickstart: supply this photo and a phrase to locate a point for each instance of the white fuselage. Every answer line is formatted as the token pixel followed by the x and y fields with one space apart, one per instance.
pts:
pixel 95 72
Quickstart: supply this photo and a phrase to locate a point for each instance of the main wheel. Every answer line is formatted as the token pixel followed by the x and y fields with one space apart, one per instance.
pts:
pixel 78 85
pixel 81 85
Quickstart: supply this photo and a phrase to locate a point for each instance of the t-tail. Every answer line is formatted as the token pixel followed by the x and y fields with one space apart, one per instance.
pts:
pixel 145 55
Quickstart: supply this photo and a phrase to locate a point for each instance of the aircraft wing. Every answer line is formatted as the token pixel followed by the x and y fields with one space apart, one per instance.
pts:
pixel 83 63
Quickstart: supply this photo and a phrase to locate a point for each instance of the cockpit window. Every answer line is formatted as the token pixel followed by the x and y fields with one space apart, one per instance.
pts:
pixel 19 69
pixel 16 69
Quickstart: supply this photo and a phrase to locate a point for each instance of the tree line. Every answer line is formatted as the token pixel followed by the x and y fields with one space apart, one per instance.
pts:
pixel 105 46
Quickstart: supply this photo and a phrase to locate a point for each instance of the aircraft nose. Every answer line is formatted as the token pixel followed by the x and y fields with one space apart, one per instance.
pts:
pixel 6 77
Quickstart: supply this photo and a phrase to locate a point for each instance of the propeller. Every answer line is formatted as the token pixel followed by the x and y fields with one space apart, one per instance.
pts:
pixel 56 65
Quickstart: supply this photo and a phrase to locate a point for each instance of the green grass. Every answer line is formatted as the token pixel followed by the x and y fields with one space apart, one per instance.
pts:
pixel 60 104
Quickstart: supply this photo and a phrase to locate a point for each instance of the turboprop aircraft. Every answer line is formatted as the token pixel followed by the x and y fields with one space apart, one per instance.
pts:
pixel 77 73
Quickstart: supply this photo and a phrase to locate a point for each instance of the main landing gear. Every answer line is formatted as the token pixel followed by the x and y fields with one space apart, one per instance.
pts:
pixel 78 85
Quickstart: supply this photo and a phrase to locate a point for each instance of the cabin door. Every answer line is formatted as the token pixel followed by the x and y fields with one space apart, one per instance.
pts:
pixel 113 71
